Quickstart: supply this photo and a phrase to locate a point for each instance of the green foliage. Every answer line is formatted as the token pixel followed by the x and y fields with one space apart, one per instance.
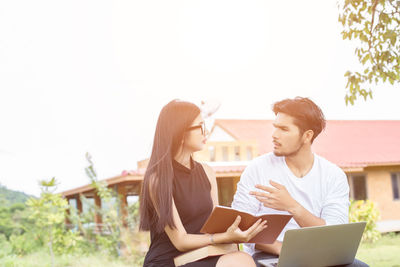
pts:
pixel 375 26
pixel 5 246
pixel 137 242
pixel 116 238
pixel 26 243
pixel 112 223
pixel 49 213
pixel 16 231
pixel 15 220
pixel 49 209
pixel 27 230
pixel 41 258
pixel 133 215
pixel 366 211
pixel 10 197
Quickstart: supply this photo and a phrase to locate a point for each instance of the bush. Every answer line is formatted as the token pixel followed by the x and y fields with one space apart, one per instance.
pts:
pixel 14 220
pixel 133 215
pixel 366 211
pixel 67 241
pixel 5 246
pixel 25 243
pixel 138 242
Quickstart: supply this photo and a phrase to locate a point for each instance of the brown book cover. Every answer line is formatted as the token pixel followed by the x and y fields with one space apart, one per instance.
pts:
pixel 222 218
pixel 207 251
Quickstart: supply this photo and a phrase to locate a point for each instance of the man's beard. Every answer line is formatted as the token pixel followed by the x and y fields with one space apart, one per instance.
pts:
pixel 289 154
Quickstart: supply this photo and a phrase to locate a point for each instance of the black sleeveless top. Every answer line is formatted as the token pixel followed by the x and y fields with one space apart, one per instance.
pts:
pixel 192 196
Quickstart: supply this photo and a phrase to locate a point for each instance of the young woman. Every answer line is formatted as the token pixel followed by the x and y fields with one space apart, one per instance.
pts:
pixel 179 194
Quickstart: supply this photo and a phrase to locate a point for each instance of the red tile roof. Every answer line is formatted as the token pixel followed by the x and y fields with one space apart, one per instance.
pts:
pixel 345 143
pixel 131 176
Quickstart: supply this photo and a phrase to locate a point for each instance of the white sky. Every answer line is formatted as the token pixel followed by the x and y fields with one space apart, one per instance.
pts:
pixel 79 76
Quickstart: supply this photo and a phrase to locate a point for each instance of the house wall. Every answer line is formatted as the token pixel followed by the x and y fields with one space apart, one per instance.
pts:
pixel 379 188
pixel 218 147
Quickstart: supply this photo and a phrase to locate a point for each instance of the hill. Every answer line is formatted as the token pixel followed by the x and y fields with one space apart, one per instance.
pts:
pixel 9 197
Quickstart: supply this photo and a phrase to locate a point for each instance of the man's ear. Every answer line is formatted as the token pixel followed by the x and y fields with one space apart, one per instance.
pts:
pixel 308 135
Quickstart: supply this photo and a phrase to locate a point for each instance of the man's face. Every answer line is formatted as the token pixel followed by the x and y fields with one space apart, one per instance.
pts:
pixel 286 137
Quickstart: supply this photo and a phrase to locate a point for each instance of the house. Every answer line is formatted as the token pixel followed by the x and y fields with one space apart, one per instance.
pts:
pixel 367 151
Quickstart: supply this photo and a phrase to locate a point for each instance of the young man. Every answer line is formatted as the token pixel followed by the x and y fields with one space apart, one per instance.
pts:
pixel 293 179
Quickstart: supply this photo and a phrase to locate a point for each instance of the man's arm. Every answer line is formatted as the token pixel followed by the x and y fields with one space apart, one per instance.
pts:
pixel 335 209
pixel 304 218
pixel 277 197
pixel 243 200
pixel 274 248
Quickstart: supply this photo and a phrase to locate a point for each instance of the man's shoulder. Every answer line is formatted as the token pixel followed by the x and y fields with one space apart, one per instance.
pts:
pixel 330 169
pixel 327 164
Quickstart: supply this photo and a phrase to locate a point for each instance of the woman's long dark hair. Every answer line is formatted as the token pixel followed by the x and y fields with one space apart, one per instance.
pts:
pixel 156 196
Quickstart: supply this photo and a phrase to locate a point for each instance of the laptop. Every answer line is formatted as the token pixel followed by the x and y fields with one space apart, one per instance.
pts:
pixel 319 246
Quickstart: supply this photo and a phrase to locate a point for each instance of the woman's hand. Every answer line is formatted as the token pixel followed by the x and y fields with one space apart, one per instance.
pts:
pixel 234 234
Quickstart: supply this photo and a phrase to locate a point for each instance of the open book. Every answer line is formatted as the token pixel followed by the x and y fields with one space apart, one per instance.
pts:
pixel 207 251
pixel 222 218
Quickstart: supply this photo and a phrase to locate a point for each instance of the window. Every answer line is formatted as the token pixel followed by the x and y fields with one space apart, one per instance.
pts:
pixel 358 188
pixel 132 199
pixel 87 205
pixel 107 205
pixel 212 153
pixel 225 153
pixel 249 152
pixel 72 202
pixel 237 153
pixel 395 185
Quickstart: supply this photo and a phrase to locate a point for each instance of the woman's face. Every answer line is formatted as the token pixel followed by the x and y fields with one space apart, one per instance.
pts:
pixel 195 136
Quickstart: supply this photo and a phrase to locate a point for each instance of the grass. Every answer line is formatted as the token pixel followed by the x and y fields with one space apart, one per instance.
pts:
pixel 383 253
pixel 42 259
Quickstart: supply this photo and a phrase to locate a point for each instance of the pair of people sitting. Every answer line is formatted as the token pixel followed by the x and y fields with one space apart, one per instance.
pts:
pixel 179 193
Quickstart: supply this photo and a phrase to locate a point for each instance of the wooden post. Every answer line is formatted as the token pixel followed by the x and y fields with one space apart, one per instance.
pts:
pixel 78 203
pixel 97 216
pixel 121 190
pixel 67 221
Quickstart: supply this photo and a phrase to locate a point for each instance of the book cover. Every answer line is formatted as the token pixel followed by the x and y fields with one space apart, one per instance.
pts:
pixel 222 218
pixel 207 251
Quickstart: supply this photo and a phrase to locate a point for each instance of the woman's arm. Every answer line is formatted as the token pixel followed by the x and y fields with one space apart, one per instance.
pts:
pixel 184 241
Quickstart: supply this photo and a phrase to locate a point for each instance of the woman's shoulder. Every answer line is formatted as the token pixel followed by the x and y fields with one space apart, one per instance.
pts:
pixel 207 169
pixel 205 166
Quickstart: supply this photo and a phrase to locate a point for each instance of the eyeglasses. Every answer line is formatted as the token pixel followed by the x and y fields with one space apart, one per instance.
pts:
pixel 202 126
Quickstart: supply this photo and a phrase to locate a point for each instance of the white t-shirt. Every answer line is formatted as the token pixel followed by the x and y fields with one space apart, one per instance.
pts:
pixel 323 191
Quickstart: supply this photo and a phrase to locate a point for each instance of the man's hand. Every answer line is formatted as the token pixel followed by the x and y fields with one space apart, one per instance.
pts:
pixel 276 197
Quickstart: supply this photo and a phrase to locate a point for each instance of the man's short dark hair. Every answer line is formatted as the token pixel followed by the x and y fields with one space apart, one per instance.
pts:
pixel 307 115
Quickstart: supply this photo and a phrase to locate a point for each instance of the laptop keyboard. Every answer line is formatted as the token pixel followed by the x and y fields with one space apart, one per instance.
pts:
pixel 268 264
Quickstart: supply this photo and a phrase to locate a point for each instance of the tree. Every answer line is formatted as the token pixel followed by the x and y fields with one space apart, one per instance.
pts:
pixel 49 212
pixel 122 238
pixel 375 25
